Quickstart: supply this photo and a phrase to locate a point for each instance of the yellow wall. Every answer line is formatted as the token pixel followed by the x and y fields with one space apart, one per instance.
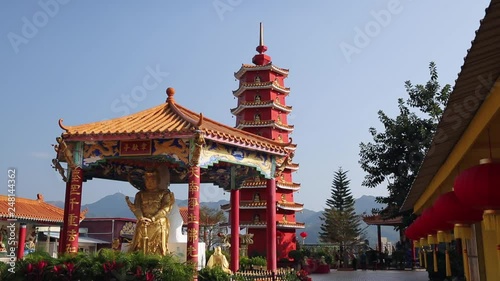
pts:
pixel 490 255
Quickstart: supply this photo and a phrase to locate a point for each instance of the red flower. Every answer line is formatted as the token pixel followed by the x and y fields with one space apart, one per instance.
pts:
pixel 41 265
pixel 70 266
pixel 138 272
pixel 29 267
pixel 150 276
pixel 109 266
pixel 57 269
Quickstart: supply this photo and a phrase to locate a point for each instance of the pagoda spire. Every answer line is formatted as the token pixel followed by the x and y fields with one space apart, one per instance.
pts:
pixel 261 58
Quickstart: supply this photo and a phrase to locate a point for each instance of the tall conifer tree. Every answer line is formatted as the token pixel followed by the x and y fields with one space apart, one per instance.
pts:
pixel 340 224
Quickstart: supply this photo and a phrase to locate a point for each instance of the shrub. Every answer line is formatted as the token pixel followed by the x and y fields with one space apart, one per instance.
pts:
pixel 104 265
pixel 258 261
pixel 296 255
pixel 213 274
pixel 245 263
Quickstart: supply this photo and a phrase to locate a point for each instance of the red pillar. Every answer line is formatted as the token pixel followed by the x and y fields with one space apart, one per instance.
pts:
pixel 193 214
pixel 72 212
pixel 62 236
pixel 235 229
pixel 271 225
pixel 22 241
pixel 379 237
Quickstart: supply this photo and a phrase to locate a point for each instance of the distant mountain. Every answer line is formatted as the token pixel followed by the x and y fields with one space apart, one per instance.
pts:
pixel 115 206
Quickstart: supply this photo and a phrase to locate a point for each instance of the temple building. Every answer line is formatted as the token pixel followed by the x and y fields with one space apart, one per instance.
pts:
pixel 456 193
pixel 262 110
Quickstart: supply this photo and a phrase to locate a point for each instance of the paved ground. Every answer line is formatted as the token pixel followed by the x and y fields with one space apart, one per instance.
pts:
pixel 370 275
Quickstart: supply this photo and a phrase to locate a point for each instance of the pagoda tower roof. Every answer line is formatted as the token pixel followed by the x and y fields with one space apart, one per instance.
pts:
pixel 273 85
pixel 288 185
pixel 168 120
pixel 263 224
pixel 292 206
pixel 265 123
pixel 261 104
pixel 250 67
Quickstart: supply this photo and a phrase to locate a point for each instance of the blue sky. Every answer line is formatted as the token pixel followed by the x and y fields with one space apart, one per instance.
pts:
pixel 80 60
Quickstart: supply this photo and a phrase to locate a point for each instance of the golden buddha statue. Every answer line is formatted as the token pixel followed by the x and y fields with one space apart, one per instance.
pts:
pixel 218 259
pixel 151 208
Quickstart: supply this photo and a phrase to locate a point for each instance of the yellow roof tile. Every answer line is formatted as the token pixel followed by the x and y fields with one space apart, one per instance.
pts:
pixel 165 121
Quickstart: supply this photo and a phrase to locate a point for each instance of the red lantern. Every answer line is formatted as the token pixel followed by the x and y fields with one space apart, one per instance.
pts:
pixel 303 234
pixel 411 233
pixel 479 186
pixel 449 209
pixel 426 226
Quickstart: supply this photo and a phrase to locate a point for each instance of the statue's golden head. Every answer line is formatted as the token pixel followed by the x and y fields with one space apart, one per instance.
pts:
pixel 151 180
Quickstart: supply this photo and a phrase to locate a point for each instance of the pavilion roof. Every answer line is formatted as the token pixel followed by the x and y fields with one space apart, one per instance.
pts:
pixel 32 210
pixel 168 120
pixel 378 220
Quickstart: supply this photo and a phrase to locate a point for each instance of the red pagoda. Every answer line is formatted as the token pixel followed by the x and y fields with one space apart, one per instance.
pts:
pixel 262 110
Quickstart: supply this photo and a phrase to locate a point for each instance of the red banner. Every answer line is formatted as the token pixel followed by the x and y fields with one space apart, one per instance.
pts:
pixel 193 214
pixel 72 221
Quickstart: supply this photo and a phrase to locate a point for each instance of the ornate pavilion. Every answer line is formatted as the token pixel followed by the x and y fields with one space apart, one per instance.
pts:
pixel 196 150
pixel 457 190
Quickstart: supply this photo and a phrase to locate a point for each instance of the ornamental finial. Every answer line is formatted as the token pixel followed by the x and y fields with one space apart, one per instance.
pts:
pixel 261 58
pixel 261 48
pixel 170 94
pixel 261 39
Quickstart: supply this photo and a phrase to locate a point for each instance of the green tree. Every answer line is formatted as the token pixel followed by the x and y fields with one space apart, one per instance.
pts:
pixel 396 153
pixel 210 220
pixel 340 224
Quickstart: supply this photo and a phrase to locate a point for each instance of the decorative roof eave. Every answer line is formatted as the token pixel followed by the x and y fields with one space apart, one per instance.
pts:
pixel 262 124
pixel 263 224
pixel 250 67
pixel 281 151
pixel 293 166
pixel 247 205
pixel 296 225
pixel 273 85
pixel 249 224
pixel 378 220
pixel 288 185
pixel 291 206
pixel 127 136
pixel 274 104
pixel 254 184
